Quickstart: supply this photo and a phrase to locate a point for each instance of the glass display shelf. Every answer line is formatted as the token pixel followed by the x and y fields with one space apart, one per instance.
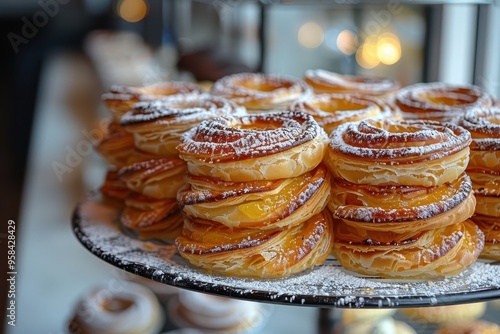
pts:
pixel 96 225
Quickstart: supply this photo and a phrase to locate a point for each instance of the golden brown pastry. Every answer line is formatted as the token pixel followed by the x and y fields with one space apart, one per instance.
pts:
pixel 259 92
pixel 331 110
pixel 120 99
pixel 394 214
pixel 491 229
pixel 387 152
pixel 439 101
pixel 473 327
pixel 157 178
pixel 436 253
pixel 323 81
pixel 259 204
pixel 268 253
pixel 254 147
pixel 446 314
pixel 116 146
pixel 484 170
pixel 113 189
pixel 152 218
pixel 158 125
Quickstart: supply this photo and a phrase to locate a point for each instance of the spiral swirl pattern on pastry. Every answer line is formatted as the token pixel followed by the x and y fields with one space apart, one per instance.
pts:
pixel 258 91
pixel 158 125
pixel 269 253
pixel 329 82
pixel 120 99
pixel 332 110
pixel 439 101
pixel 254 147
pixel 388 152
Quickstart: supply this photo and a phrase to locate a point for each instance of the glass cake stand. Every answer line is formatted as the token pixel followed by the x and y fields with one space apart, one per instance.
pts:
pixel 328 286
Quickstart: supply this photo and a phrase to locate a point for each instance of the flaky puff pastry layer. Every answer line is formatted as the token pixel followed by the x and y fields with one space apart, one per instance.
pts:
pixel 256 253
pixel 385 152
pixel 158 125
pixel 254 147
pixel 152 218
pixel 331 110
pixel 436 253
pixel 491 229
pixel 116 145
pixel 259 204
pixel 120 99
pixel 398 204
pixel 114 190
pixel 157 178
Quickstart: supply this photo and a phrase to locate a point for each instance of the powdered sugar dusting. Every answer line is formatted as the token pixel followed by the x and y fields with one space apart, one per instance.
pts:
pixel 94 225
pixel 375 139
pixel 250 136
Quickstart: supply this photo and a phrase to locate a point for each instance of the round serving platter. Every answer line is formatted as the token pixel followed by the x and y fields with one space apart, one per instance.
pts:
pixel 96 226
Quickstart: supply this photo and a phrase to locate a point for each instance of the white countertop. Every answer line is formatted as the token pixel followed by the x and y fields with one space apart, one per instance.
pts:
pixel 54 270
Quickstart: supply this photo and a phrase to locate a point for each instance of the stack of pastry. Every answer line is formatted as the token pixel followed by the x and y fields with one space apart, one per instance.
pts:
pixel 115 144
pixel 401 199
pixel 323 81
pixel 259 92
pixel 256 193
pixel 484 171
pixel 331 110
pixel 154 173
pixel 439 101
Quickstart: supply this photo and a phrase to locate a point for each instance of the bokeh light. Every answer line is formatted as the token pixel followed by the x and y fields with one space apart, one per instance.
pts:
pixel 347 42
pixel 310 35
pixel 366 55
pixel 388 48
pixel 132 10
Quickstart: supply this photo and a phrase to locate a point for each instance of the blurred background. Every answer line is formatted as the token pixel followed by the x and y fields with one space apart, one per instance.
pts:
pixel 59 56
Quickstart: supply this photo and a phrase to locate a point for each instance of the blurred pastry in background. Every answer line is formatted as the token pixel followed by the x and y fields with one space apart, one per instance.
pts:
pixel 259 92
pixel 447 314
pixel 349 316
pixel 323 81
pixel 214 314
pixel 472 327
pixel 383 325
pixel 439 101
pixel 332 110
pixel 129 308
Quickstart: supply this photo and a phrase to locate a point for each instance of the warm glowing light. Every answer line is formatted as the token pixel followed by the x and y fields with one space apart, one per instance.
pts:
pixel 132 10
pixel 310 35
pixel 347 42
pixel 366 56
pixel 388 48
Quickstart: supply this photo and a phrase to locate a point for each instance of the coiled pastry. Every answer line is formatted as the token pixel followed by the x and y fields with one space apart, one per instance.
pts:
pixel 434 253
pixel 331 110
pixel 259 91
pixel 116 145
pixel 113 189
pixel 158 125
pixel 385 152
pixel 157 178
pixel 120 99
pixel 268 253
pixel 152 218
pixel 257 204
pixel 330 82
pixel 484 170
pixel 254 147
pixel 439 101
pixel 396 213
